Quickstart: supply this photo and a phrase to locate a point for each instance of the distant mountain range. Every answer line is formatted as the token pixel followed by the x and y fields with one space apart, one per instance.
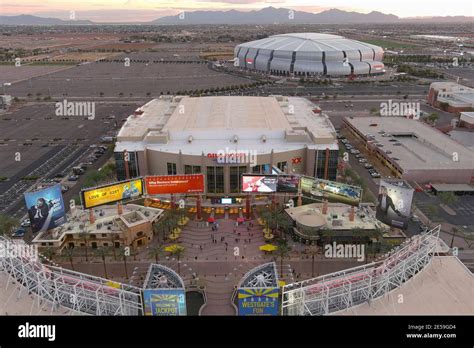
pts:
pixel 265 16
pixel 34 20
pixel 271 15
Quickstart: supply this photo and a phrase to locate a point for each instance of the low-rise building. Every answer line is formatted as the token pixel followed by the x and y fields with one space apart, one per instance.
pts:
pixel 106 226
pixel 451 97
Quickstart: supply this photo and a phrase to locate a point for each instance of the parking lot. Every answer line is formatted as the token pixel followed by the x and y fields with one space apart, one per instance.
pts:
pixel 464 209
pixel 36 143
pixel 114 79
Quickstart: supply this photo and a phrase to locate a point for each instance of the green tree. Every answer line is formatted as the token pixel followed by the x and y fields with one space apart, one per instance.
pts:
pixel 155 252
pixel 68 254
pixel 85 236
pixel 448 198
pixel 7 224
pixel 102 253
pixel 283 251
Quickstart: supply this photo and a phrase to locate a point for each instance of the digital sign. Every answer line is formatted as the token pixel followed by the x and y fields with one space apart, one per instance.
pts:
pixel 45 208
pixel 394 203
pixel 164 302
pixel 167 184
pixel 258 301
pixel 331 190
pixel 112 193
pixel 288 183
pixel 259 183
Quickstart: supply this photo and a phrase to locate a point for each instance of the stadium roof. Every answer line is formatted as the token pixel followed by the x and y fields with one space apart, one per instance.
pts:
pixel 309 42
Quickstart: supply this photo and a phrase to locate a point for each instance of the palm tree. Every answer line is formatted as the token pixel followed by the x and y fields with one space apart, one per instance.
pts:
pixel 282 251
pixel 276 219
pixel 68 254
pixel 124 253
pixel 313 251
pixel 155 252
pixel 49 253
pixel 102 253
pixel 113 238
pixel 178 251
pixel 85 236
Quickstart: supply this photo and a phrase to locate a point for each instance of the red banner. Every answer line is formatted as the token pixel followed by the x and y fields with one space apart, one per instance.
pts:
pixel 166 184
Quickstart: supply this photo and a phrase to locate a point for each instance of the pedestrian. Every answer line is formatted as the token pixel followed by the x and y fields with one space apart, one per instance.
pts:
pixel 235 230
pixel 248 228
pixel 200 247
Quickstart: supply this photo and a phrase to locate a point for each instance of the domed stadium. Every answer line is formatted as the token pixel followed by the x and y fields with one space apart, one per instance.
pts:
pixel 310 54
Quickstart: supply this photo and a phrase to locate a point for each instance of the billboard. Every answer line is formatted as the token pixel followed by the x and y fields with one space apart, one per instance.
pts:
pixel 45 208
pixel 332 190
pixel 394 203
pixel 167 184
pixel 288 183
pixel 258 301
pixel 164 302
pixel 259 183
pixel 112 193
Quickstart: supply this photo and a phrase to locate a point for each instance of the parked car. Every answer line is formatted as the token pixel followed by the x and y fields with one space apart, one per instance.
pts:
pixel 26 223
pixel 362 160
pixel 19 233
pixel 375 175
pixel 73 178
pixel 359 155
pixel 368 166
pixel 64 188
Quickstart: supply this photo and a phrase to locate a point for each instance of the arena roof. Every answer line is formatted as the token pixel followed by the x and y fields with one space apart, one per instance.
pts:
pixel 207 124
pixel 309 42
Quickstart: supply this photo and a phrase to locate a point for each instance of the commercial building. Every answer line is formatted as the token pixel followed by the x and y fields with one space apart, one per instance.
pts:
pixel 106 226
pixel 225 137
pixel 467 120
pixel 451 97
pixel 413 150
pixel 310 54
pixel 345 222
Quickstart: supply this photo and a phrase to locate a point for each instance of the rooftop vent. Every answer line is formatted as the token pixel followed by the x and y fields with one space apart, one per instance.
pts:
pixel 264 139
pixel 235 139
pixel 190 139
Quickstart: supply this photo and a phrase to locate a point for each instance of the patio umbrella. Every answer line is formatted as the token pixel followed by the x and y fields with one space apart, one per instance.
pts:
pixel 268 247
pixel 211 219
pixel 171 248
pixel 240 219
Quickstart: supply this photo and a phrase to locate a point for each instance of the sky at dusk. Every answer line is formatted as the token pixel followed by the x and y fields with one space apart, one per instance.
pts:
pixel 146 10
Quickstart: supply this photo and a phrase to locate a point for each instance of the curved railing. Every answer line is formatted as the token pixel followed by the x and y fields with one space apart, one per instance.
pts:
pixel 77 291
pixel 341 290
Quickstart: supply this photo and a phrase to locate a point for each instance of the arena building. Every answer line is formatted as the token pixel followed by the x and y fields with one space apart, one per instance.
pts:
pixel 310 54
pixel 225 137
pixel 414 150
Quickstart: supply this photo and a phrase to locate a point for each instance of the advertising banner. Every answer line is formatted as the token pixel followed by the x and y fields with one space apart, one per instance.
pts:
pixel 394 203
pixel 288 183
pixel 259 183
pixel 331 190
pixel 45 208
pixel 167 184
pixel 258 301
pixel 112 193
pixel 164 302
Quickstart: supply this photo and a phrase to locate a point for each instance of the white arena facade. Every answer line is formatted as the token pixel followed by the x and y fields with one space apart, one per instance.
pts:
pixel 310 54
